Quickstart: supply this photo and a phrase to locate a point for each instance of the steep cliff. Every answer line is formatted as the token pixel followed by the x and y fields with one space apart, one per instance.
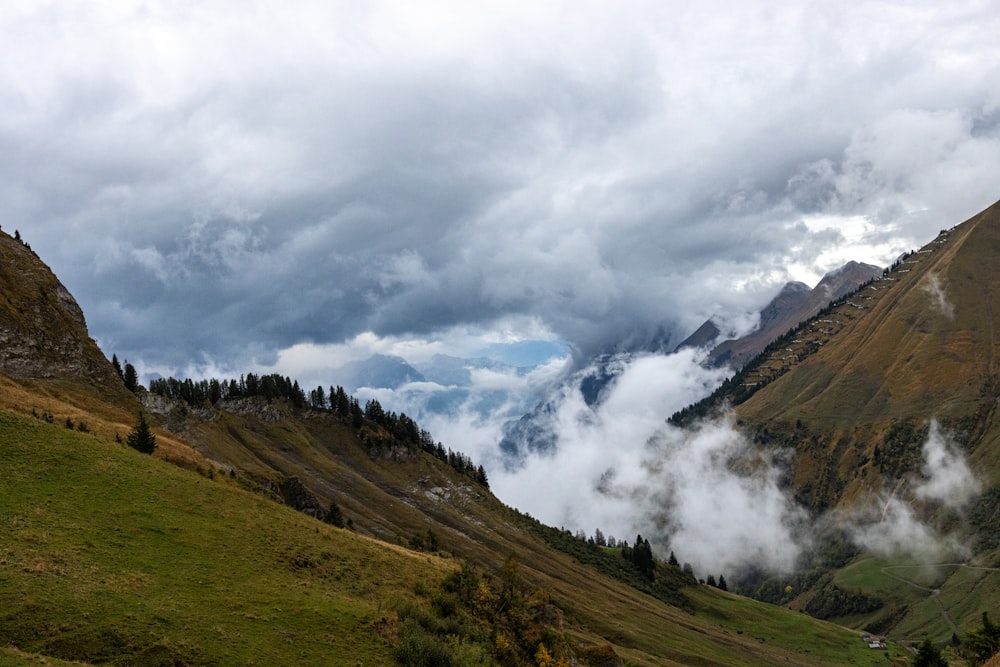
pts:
pixel 43 334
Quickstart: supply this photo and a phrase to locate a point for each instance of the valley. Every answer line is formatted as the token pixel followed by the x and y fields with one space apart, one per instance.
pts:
pixel 218 548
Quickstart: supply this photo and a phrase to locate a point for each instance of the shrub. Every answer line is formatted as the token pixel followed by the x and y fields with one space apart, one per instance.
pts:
pixel 141 438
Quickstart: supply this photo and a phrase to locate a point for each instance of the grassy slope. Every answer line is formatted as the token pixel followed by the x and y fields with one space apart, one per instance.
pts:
pixel 107 551
pixel 12 657
pixel 903 357
pixel 394 498
pixel 938 596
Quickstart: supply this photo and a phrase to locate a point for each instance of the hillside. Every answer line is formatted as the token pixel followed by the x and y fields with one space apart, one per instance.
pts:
pixel 398 495
pixel 852 392
pixel 921 342
pixel 115 556
pixel 918 342
pixel 111 554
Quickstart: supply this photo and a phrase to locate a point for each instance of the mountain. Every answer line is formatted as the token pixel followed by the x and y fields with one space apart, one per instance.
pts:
pixel 703 336
pixel 534 431
pixel 857 396
pixel 377 371
pixel 921 342
pixel 457 371
pixel 795 303
pixel 197 555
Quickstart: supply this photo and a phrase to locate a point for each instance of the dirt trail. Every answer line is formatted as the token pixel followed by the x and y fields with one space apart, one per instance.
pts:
pixel 933 591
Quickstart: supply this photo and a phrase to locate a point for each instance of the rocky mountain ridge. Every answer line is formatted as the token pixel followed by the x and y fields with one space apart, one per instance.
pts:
pixel 794 303
pixel 43 332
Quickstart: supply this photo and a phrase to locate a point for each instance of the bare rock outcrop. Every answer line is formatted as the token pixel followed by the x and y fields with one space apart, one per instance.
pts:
pixel 43 334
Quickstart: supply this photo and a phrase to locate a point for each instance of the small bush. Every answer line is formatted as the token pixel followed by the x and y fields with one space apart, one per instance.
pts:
pixel 444 604
pixel 419 648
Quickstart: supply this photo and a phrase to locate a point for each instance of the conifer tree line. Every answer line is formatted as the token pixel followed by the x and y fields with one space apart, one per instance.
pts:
pixel 400 427
pixel 640 555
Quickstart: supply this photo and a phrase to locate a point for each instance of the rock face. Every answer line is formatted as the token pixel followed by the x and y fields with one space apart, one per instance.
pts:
pixel 43 334
pixel 795 303
pixel 297 496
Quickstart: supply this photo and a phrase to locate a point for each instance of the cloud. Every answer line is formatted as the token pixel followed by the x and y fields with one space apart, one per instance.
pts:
pixel 896 524
pixel 947 478
pixel 932 285
pixel 289 189
pixel 251 179
pixel 708 493
pixel 318 363
pixel 896 531
pixel 470 417
pixel 722 504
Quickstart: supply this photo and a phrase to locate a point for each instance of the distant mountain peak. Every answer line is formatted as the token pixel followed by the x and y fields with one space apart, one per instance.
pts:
pixel 793 287
pixel 794 303
pixel 377 371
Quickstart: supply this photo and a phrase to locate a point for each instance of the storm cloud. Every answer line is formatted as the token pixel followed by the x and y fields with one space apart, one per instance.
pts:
pixel 225 185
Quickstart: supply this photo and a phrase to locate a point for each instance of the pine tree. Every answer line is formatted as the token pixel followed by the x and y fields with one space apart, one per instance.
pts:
pixel 642 557
pixel 928 656
pixel 117 366
pixel 296 394
pixel 318 398
pixel 130 377
pixel 984 642
pixel 141 438
pixel 214 391
pixel 334 515
pixel 343 405
pixel 374 411
pixel 722 583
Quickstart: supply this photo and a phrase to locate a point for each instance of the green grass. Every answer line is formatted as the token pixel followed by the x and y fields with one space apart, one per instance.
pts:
pixel 872 575
pixel 969 592
pixel 963 592
pixel 11 657
pixel 787 630
pixel 107 553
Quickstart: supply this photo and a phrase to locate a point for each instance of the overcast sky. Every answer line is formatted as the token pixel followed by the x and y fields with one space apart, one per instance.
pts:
pixel 224 184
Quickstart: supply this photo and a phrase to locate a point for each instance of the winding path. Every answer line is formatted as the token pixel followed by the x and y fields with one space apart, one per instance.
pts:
pixel 933 591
